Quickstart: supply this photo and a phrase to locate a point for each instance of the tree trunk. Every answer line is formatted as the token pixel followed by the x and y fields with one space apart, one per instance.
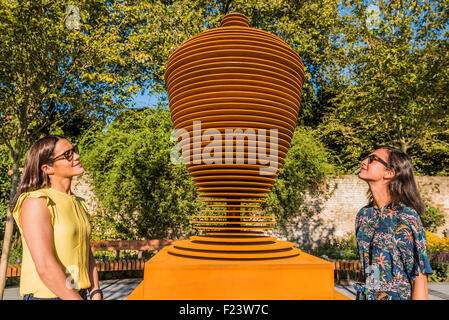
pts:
pixel 9 226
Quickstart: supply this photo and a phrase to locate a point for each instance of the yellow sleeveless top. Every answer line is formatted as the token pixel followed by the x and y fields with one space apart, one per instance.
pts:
pixel 71 232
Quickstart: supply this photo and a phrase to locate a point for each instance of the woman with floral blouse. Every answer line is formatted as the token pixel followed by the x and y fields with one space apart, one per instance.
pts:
pixel 390 237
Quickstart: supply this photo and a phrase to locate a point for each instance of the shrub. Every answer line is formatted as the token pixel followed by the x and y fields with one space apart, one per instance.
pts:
pixel 345 248
pixel 432 219
pixel 142 194
pixel 440 271
pixel 306 166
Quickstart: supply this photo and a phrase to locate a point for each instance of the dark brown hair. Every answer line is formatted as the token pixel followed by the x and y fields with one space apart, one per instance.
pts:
pixel 402 187
pixel 33 177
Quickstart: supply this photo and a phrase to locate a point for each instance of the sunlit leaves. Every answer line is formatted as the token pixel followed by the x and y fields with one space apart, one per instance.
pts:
pixel 397 89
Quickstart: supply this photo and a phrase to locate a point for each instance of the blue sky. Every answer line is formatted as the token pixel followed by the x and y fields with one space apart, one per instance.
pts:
pixel 145 100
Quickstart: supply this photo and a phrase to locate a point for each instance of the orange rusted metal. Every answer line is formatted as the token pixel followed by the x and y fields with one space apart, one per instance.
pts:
pixel 224 80
pixel 234 77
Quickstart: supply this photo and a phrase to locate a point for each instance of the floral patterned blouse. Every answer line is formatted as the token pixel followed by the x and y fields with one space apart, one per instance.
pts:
pixel 392 252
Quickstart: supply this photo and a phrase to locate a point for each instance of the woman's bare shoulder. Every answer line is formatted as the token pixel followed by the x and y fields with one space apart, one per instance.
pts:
pixel 34 207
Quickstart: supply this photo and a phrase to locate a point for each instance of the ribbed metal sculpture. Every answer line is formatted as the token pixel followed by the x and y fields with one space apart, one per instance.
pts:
pixel 234 94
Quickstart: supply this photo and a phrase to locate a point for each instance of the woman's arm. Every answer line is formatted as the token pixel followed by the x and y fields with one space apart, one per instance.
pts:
pixel 93 276
pixel 419 287
pixel 37 230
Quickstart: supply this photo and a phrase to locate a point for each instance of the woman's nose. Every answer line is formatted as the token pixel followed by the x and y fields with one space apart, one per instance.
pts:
pixel 365 162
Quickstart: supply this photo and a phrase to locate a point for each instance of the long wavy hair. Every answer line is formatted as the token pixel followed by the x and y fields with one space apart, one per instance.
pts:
pixel 33 177
pixel 402 187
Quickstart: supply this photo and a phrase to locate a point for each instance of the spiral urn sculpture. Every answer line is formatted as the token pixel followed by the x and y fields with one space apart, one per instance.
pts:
pixel 234 95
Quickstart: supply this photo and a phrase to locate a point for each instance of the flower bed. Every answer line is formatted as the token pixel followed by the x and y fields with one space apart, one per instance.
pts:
pixel 437 244
pixel 438 252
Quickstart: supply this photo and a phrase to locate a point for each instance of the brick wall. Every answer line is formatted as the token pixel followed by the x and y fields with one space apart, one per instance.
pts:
pixel 333 212
pixel 82 188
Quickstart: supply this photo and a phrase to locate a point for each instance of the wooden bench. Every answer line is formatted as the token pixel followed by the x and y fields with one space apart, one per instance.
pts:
pixel 346 265
pixel 13 270
pixel 117 246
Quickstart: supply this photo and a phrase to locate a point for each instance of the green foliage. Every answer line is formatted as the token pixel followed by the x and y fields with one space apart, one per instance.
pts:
pixel 15 255
pixel 432 219
pixel 345 248
pixel 142 193
pixel 306 166
pixel 344 142
pixel 440 271
pixel 385 83
pixel 311 28
pixel 430 154
pixel 392 87
pixel 56 79
pixel 5 185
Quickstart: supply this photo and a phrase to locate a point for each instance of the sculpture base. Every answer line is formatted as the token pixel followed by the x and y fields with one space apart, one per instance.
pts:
pixel 171 277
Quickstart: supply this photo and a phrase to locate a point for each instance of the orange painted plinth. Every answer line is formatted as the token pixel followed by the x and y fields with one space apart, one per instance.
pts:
pixel 170 277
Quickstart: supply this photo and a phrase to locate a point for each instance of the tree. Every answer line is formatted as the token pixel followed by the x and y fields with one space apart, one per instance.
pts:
pixel 59 62
pixel 310 27
pixel 430 154
pixel 395 85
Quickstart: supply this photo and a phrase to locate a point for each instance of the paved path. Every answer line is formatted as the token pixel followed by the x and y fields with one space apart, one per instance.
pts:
pixel 112 289
pixel 120 289
pixel 437 290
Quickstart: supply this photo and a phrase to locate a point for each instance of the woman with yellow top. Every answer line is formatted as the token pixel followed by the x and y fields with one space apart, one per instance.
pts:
pixel 57 260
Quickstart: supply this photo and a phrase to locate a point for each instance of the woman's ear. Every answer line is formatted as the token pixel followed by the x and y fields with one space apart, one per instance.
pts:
pixel 390 174
pixel 47 169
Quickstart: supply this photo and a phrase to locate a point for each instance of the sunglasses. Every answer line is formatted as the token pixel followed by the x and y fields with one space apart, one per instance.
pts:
pixel 373 157
pixel 67 154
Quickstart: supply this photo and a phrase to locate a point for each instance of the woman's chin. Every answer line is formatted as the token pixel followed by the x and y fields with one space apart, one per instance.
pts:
pixel 79 171
pixel 361 175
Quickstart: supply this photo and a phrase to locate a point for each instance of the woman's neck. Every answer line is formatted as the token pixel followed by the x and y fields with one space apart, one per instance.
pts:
pixel 62 184
pixel 381 195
